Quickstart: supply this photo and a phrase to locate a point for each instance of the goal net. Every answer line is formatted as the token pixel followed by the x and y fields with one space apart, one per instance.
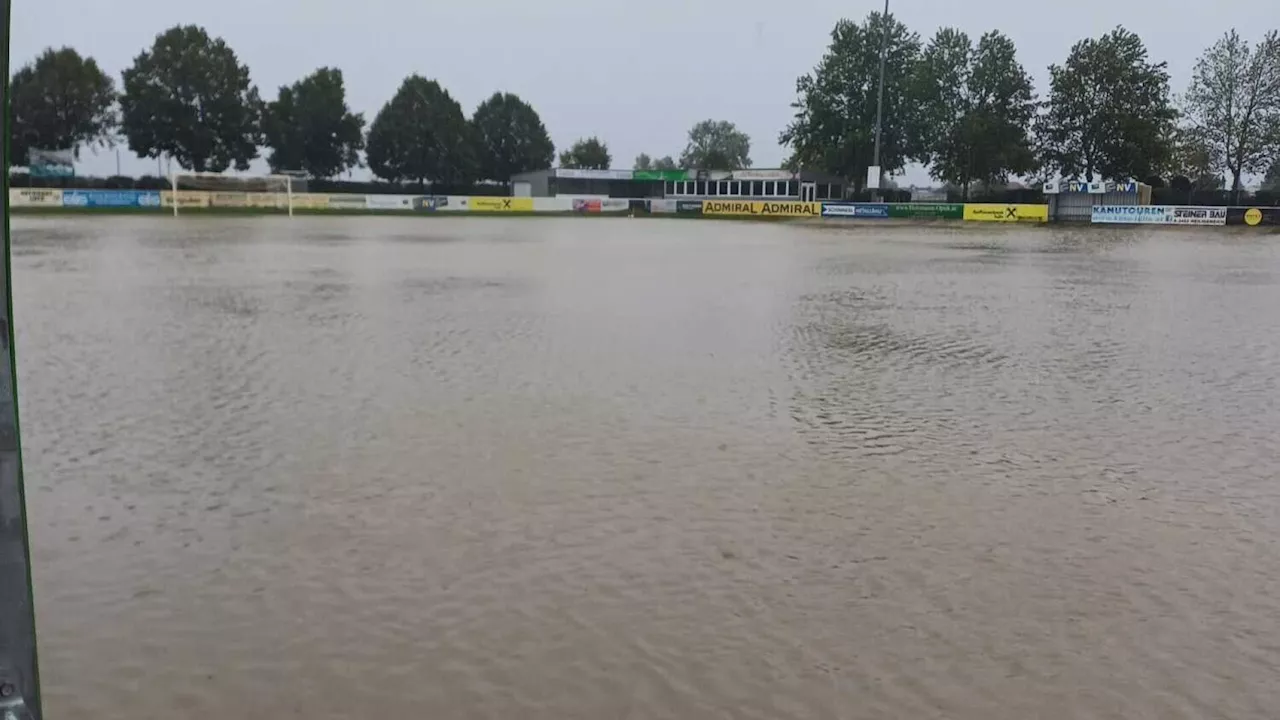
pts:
pixel 205 190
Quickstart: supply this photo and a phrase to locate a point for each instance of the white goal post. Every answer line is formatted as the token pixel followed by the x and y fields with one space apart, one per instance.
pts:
pixel 234 186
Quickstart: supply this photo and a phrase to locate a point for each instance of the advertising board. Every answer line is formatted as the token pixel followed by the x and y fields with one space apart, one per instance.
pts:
pixel 430 203
pixel 659 175
pixel 230 199
pixel 855 210
pixel 111 198
pixel 589 205
pixel 664 207
pixel 35 197
pixel 995 212
pixel 613 205
pixel 552 205
pixel 501 204
pixel 1254 216
pixel 338 201
pixel 186 198
pixel 578 174
pixel 689 207
pixel 761 209
pixel 309 201
pixel 390 202
pixel 278 201
pixel 927 211
pixel 1158 215
pixel 1131 214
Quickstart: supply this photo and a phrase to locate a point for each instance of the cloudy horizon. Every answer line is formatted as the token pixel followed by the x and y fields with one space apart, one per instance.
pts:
pixel 636 77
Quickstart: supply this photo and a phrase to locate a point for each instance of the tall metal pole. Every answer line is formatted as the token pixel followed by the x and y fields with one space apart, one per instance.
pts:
pixel 884 51
pixel 19 678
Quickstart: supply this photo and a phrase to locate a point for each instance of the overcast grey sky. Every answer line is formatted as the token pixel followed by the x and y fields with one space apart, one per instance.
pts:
pixel 637 74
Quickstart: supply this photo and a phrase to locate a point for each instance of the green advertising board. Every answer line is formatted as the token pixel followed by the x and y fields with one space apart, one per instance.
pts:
pixel 927 211
pixel 660 175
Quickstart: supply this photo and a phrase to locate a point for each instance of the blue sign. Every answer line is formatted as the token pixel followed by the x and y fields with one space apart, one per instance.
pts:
pixel 859 210
pixel 111 198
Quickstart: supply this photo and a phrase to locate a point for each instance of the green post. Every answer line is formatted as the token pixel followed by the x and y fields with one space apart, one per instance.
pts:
pixel 19 677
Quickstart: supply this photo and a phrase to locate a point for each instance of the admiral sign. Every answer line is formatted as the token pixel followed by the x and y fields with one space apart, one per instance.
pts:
pixel 774 209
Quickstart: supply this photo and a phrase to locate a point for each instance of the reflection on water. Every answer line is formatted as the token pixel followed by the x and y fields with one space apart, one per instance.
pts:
pixel 563 469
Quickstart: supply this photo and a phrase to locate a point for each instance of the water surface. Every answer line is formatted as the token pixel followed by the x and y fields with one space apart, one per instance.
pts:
pixel 485 468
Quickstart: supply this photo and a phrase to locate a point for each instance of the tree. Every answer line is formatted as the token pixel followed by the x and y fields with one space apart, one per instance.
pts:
pixel 309 127
pixel 643 162
pixel 1108 111
pixel 1234 104
pixel 587 153
pixel 717 146
pixel 190 98
pixel 60 101
pixel 1272 179
pixel 834 125
pixel 1193 159
pixel 664 163
pixel 977 104
pixel 510 138
pixel 421 134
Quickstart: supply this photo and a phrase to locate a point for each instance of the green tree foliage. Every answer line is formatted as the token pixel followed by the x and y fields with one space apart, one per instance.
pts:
pixel 60 101
pixel 717 145
pixel 1108 111
pixel 588 153
pixel 1192 160
pixel 189 97
pixel 510 138
pixel 421 134
pixel 834 125
pixel 1234 104
pixel 664 163
pixel 1271 181
pixel 976 105
pixel 309 127
pixel 643 162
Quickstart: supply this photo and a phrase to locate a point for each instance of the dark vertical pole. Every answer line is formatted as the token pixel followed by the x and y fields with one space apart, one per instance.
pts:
pixel 19 680
pixel 884 52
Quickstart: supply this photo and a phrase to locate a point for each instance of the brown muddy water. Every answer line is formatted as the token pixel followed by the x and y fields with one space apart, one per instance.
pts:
pixel 485 468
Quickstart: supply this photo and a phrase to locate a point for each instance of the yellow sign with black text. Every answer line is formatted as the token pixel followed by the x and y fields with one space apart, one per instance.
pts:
pixel 762 209
pixel 1253 216
pixel 500 204
pixel 186 198
pixel 995 212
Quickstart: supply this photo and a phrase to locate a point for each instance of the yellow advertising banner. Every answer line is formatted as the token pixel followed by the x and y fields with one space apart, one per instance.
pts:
pixel 229 199
pixel 763 209
pixel 186 198
pixel 500 204
pixel 266 200
pixel 995 212
pixel 309 201
pixel 35 197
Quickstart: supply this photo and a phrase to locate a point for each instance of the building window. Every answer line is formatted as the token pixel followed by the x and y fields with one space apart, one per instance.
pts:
pixel 699 188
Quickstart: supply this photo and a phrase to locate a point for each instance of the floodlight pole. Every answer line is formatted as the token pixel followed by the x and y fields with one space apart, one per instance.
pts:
pixel 19 674
pixel 884 52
